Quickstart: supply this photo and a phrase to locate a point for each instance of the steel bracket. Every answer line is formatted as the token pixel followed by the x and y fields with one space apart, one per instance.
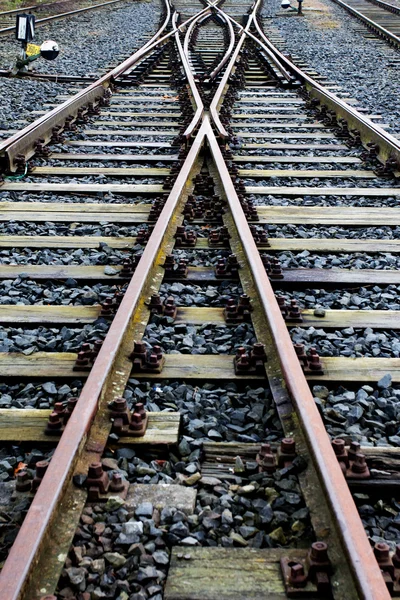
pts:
pixel 309 577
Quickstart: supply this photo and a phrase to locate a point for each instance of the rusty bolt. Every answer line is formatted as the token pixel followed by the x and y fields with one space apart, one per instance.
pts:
pixel 116 483
pixel 359 464
pixel 294 311
pixel 319 552
pixel 119 405
pixel 338 446
pixel 97 344
pixel 382 555
pixel 314 361
pixel 23 481
pixel 353 450
pixel 136 422
pixel 95 470
pixel 381 551
pixel 301 355
pixel 396 557
pixel 41 468
pixel 81 360
pixel 71 403
pixel 258 351
pixel 139 409
pixel 288 446
pixel 54 421
pixel 265 449
pixel 297 576
pixel 244 301
pixel 242 362
pixel 107 308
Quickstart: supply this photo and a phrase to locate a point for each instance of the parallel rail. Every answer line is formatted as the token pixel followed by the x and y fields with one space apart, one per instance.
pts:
pixel 373 25
pixel 8 30
pixel 84 439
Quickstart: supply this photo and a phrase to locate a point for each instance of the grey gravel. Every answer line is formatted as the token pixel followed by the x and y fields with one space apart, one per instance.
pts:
pixel 368 414
pixel 129 549
pixel 360 260
pixel 196 295
pixel 44 339
pixel 38 394
pixel 385 232
pixel 23 291
pixel 350 342
pixel 202 339
pixel 85 49
pixel 356 298
pixel 81 256
pixel 212 412
pixel 332 45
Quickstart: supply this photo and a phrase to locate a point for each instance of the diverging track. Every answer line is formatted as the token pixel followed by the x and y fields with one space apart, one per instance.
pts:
pixel 196 446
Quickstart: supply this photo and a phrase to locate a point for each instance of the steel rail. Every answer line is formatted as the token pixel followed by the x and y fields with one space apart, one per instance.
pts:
pixel 14 578
pixel 217 99
pixel 188 35
pixel 287 75
pixel 228 52
pixel 386 6
pixel 193 88
pixel 189 31
pixel 371 24
pixel 366 572
pixel 34 7
pixel 389 146
pixel 23 141
pixel 45 20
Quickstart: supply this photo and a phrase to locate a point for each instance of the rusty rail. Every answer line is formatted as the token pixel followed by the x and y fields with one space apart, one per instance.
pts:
pixel 11 29
pixel 218 97
pixel 225 58
pixel 193 88
pixel 228 52
pixel 356 546
pixel 14 577
pixel 277 63
pixel 389 146
pixel 385 33
pixel 23 142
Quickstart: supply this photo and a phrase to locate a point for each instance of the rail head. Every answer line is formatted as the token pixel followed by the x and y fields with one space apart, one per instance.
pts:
pixel 393 38
pixel 214 73
pixel 218 96
pixel 191 82
pixel 190 30
pixel 366 572
pixel 389 146
pixel 277 64
pixel 7 30
pixel 17 570
pixel 24 142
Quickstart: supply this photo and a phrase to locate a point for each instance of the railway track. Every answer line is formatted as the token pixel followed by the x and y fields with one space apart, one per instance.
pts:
pixel 380 17
pixel 7 17
pixel 176 240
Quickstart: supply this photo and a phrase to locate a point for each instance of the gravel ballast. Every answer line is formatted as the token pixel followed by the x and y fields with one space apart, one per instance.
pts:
pixel 88 45
pixel 330 42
